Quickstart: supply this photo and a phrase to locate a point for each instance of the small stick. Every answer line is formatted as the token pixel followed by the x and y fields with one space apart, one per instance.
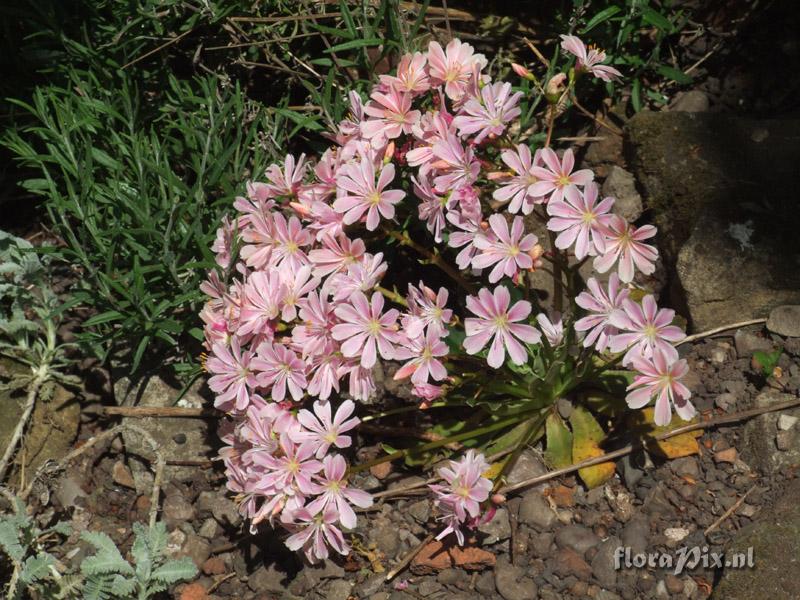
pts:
pixel 406 560
pixel 702 334
pixel 30 403
pixel 728 512
pixel 219 582
pixel 740 416
pixel 141 412
pixel 158 49
pixel 538 54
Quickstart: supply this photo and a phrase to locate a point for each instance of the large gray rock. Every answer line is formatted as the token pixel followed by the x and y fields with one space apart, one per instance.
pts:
pixel 775 543
pixel 177 438
pixel 785 320
pixel 722 190
pixel 768 447
pixel 621 185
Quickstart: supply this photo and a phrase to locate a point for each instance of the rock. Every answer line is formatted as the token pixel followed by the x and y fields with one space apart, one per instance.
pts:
pixel 661 591
pixel 786 422
pixel 785 320
pixel 194 435
pixel 511 582
pixel 267 578
pixel 775 544
pixel 497 529
pixel 122 475
pixel 747 343
pixel 733 260
pixel 209 529
pixel 194 591
pixel 621 502
pixel 674 585
pixel 685 467
pixel 327 569
pixel 528 466
pixel 621 185
pixel 485 584
pixel 370 586
pixel 338 589
pixel 576 537
pixel 567 562
pixel 435 556
pixel 53 424
pixel 70 488
pixel 606 595
pixel 196 548
pixel 726 456
pixel 534 510
pixel 759 433
pixel 386 539
pixel 603 563
pixel 675 535
pixel 692 101
pixel 636 533
pixel 176 509
pixel 784 440
pixel 449 577
pixel 214 566
pixel 219 506
pixel 725 401
pixel 420 511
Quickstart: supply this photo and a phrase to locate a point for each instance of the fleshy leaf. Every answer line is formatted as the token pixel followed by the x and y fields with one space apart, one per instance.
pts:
pixel 559 442
pixel 587 435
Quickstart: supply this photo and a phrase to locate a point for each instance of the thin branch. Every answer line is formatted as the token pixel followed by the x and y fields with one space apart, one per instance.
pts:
pixel 158 49
pixel 703 334
pixel 41 376
pixel 406 560
pixel 141 412
pixel 728 512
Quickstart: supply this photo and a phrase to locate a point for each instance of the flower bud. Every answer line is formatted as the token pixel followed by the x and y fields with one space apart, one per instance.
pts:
pixel 388 153
pixel 301 209
pixel 498 499
pixel 555 87
pixel 523 72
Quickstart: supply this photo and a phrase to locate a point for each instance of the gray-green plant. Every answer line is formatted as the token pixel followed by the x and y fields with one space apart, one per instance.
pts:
pixel 102 575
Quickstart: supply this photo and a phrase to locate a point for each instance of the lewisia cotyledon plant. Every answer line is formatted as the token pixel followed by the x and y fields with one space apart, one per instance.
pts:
pixel 298 317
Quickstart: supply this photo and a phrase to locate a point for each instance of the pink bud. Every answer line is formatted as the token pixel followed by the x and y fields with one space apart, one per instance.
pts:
pixel 300 209
pixel 498 499
pixel 523 72
pixel 388 153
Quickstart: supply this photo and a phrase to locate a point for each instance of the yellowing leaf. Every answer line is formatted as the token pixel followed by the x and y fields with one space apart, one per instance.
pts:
pixel 643 426
pixel 559 442
pixel 493 470
pixel 586 437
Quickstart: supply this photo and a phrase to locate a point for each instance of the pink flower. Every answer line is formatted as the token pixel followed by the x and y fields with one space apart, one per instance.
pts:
pixel 280 368
pixel 314 332
pixel 458 163
pixel 360 277
pixel 624 243
pixel 423 355
pixel 553 330
pixel 660 377
pixel 264 293
pixel 426 308
pixel 431 209
pixel 290 471
pixel 464 239
pixel 518 191
pixel 650 330
pixel 427 392
pixel 360 194
pixel 453 66
pixel 508 251
pixel 489 114
pixel 297 285
pixel 588 61
pixel 360 381
pixel 289 239
pixel 259 240
pixel 224 242
pixel 495 320
pixel 365 329
pixel 325 368
pixel 600 306
pixel 315 533
pixel 286 183
pixel 580 221
pixel 336 254
pixel 321 431
pixel 392 115
pixel 337 494
pixel 432 127
pixel 232 378
pixel 557 178
pixel 411 75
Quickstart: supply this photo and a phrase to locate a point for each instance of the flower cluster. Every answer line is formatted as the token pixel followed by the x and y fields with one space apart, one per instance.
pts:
pixel 297 312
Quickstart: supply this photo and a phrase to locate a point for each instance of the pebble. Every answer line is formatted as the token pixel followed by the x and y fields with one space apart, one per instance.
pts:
pixel 267 579
pixel 747 343
pixel 430 586
pixel 528 466
pixel 370 586
pixel 785 320
pixel 386 539
pixel 785 440
pixel 338 589
pixel 576 537
pixel 603 562
pixel 567 562
pixel 497 529
pixel 685 467
pixel 485 584
pixel 675 535
pixel 534 510
pixel 661 591
pixel 220 506
pixel 689 587
pixel 176 509
pixel 196 548
pixel 786 422
pixel 728 455
pixel 690 101
pixel 725 401
pixel 606 595
pixel 420 511
pixel 621 503
pixel 674 585
pixel 209 529
pixel 636 533
pixel 621 185
pixel 214 566
pixel 450 576
pixel 511 583
pixel 122 475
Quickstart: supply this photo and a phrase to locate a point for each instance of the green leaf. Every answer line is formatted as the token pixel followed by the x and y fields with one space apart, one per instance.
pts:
pixel 601 17
pixel 105 317
pixel 355 44
pixel 559 442
pixel 636 94
pixel 674 74
pixel 9 540
pixel 586 438
pixel 36 568
pixel 767 361
pixel 653 17
pixel 107 559
pixel 175 570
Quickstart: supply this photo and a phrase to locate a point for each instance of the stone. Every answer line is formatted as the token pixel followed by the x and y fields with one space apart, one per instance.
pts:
pixel 176 509
pixel 528 466
pixel 685 467
pixel 603 562
pixel 775 543
pixel 485 584
pixel 691 101
pixel 386 539
pixel 784 440
pixel 436 556
pixel 219 506
pixel 267 578
pixel 209 529
pixel 725 401
pixel 675 535
pixel 193 591
pixel 370 586
pixel 535 511
pixel 786 422
pixel 674 584
pixel 747 343
pixel 195 435
pixel 196 548
pixel 576 537
pixel 511 582
pixel 785 320
pixel 338 589
pixel 214 566
pixel 635 534
pixel 621 185
pixel 420 511
pixel 567 562
pixel 728 455
pixel 759 434
pixel 122 475
pixel 733 260
pixel 497 529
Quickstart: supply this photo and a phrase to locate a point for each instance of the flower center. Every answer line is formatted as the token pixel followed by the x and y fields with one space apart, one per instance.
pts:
pixel 374 198
pixel 501 321
pixel 563 181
